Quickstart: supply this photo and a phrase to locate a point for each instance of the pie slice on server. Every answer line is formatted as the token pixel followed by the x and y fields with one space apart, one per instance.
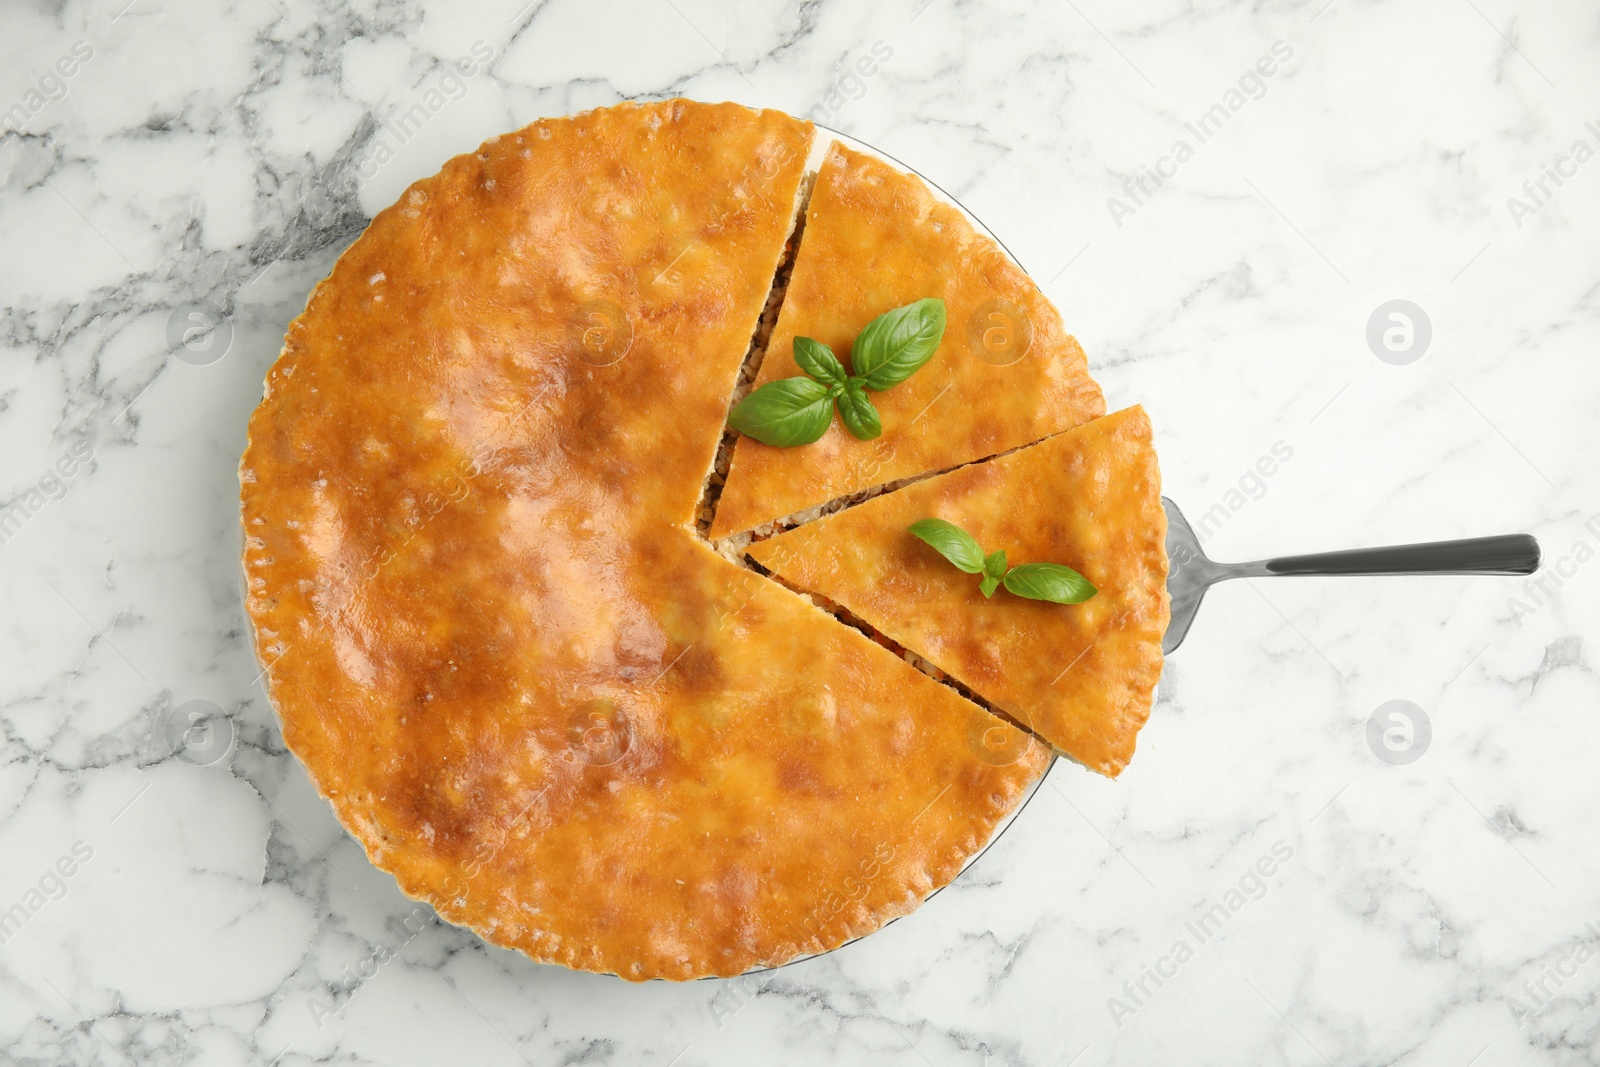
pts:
pixel 1081 676
pixel 1005 375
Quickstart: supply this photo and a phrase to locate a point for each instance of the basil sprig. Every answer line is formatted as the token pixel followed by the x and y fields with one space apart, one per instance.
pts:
pixel 1036 581
pixel 797 411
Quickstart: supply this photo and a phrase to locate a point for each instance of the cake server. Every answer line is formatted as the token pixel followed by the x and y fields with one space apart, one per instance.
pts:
pixel 1190 572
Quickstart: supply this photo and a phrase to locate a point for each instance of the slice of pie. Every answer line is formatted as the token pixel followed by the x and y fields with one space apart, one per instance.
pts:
pixel 1081 676
pixel 1006 374
pixel 491 633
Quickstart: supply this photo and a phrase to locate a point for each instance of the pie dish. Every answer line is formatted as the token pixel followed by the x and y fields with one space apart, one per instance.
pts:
pixel 491 629
pixel 1006 374
pixel 1081 677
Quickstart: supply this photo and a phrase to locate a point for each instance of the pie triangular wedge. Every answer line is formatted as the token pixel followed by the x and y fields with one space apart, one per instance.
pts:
pixel 1006 374
pixel 1080 676
pixel 525 685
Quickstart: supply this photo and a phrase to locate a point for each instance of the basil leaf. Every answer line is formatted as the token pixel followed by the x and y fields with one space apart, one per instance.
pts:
pixel 1049 581
pixel 988 585
pixel 858 414
pixel 818 360
pixel 792 411
pixel 994 565
pixel 951 542
pixel 897 343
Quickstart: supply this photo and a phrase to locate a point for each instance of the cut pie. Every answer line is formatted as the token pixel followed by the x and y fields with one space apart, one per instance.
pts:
pixel 524 682
pixel 1081 676
pixel 1006 374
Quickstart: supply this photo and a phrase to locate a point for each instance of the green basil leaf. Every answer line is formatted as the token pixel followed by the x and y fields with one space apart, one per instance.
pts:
pixel 858 414
pixel 897 343
pixel 951 542
pixel 791 411
pixel 988 585
pixel 818 360
pixel 1049 581
pixel 994 565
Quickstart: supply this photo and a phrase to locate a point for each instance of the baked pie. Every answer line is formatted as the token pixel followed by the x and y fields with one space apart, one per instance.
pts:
pixel 491 628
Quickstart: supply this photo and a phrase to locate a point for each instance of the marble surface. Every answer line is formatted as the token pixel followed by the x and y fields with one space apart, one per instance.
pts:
pixel 1259 887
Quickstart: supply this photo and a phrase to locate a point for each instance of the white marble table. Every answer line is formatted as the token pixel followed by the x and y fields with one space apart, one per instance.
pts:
pixel 169 158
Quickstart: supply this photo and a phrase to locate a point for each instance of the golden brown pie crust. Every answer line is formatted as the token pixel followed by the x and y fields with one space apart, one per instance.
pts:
pixel 1079 675
pixel 1006 374
pixel 524 684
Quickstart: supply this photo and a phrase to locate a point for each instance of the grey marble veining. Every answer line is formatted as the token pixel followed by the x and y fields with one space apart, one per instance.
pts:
pixel 1259 887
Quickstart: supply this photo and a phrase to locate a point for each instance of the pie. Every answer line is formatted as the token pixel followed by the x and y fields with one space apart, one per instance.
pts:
pixel 1006 374
pixel 1080 676
pixel 491 627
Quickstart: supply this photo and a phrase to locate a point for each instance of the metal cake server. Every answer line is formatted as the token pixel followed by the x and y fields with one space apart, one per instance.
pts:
pixel 1190 573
